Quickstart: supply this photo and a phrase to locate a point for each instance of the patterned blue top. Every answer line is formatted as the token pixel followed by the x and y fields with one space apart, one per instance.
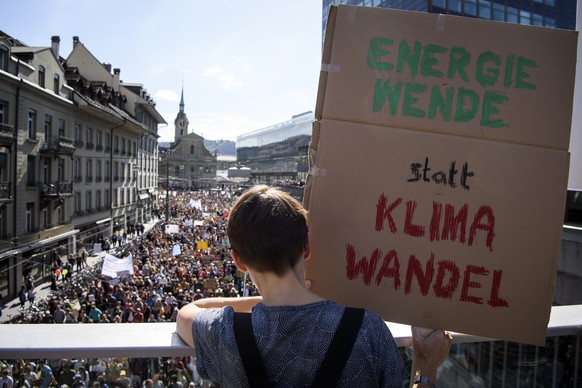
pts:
pixel 292 341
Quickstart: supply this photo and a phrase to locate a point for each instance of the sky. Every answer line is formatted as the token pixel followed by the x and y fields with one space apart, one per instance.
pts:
pixel 243 65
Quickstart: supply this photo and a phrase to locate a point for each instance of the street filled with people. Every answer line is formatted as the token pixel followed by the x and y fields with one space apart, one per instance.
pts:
pixel 179 260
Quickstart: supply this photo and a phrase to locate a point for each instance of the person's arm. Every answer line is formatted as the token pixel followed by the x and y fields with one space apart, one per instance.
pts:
pixel 429 353
pixel 187 313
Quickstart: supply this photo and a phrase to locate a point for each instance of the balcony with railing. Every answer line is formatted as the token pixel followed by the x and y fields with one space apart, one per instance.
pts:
pixel 56 189
pixel 58 145
pixel 7 135
pixel 473 361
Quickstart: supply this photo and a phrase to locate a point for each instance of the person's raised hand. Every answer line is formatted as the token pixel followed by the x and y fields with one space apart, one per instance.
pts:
pixel 430 350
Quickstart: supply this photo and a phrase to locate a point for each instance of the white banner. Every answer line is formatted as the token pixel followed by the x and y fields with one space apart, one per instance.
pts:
pixel 113 265
pixel 172 229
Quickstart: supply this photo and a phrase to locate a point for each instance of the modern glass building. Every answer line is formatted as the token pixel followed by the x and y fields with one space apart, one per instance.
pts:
pixel 547 13
pixel 277 154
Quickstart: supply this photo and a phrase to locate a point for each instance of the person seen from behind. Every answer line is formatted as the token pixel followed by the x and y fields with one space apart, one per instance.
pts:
pixel 292 327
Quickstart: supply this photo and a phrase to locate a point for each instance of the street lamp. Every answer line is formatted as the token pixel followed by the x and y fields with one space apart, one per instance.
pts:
pixel 167 189
pixel 167 157
pixel 136 200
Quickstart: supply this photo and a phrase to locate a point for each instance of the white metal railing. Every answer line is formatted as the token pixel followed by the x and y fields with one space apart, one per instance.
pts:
pixel 53 341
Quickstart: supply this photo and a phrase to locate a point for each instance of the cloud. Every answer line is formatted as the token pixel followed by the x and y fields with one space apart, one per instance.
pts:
pixel 226 80
pixel 167 95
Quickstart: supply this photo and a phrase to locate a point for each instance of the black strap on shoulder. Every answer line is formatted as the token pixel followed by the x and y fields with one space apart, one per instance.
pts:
pixel 249 352
pixel 331 367
pixel 339 349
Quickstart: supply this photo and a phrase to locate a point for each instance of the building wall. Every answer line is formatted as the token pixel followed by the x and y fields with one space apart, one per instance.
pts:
pixel 62 183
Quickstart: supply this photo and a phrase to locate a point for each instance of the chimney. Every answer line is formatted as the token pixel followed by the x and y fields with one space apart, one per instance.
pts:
pixel 108 67
pixel 55 43
pixel 75 41
pixel 116 73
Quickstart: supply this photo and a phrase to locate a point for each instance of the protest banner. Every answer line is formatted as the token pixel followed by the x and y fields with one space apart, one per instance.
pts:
pixel 439 167
pixel 172 228
pixel 113 266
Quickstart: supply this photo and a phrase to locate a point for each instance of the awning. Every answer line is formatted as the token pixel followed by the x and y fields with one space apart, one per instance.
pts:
pixel 38 244
pixel 144 196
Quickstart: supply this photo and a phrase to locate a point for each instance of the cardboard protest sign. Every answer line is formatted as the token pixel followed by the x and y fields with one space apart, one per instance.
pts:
pixel 436 195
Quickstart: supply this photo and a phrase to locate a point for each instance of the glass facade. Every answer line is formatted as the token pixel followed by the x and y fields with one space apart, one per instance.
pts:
pixel 277 155
pixel 547 13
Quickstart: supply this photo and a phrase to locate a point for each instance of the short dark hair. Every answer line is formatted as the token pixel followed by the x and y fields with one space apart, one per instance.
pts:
pixel 267 228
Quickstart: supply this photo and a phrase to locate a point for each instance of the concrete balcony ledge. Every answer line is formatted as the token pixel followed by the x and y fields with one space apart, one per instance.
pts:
pixel 53 341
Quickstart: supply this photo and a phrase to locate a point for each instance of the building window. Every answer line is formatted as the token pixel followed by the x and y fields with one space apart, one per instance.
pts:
pixel 89 170
pixel 61 169
pixel 4 57
pixel 122 196
pixel 192 149
pixel 56 84
pixel 107 171
pixel 122 146
pixel 29 217
pixel 62 125
pixel 98 200
pixel 76 170
pixel 46 169
pixel 122 171
pixel 30 170
pixel 48 123
pixel 116 144
pixel 41 76
pixel 45 218
pixel 107 198
pixel 89 137
pixel 77 203
pixel 61 214
pixel 99 140
pixel 31 124
pixel 116 171
pixel 88 201
pixel 78 135
pixel 107 142
pixel 98 175
pixel 3 112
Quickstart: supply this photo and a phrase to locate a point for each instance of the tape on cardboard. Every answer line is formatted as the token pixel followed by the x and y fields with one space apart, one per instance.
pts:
pixel 330 68
pixel 316 171
pixel 440 23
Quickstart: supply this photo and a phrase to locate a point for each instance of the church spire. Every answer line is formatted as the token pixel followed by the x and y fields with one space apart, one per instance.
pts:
pixel 182 100
pixel 181 122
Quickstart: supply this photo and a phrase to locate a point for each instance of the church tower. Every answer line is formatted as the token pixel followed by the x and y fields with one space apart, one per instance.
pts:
pixel 181 121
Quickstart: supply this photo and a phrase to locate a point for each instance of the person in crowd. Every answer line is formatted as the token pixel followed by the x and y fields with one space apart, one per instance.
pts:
pixel 77 382
pixel 95 313
pixel 22 297
pixel 268 233
pixel 59 315
pixel 65 375
pixel 6 381
pixel 46 377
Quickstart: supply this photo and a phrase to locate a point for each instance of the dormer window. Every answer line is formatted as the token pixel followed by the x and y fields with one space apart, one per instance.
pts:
pixel 41 76
pixel 4 57
pixel 56 84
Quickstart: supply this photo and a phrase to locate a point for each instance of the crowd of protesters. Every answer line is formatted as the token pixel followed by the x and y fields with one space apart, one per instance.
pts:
pixel 162 281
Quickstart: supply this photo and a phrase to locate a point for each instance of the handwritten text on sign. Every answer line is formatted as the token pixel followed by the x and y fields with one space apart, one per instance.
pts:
pixel 440 278
pixel 493 73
